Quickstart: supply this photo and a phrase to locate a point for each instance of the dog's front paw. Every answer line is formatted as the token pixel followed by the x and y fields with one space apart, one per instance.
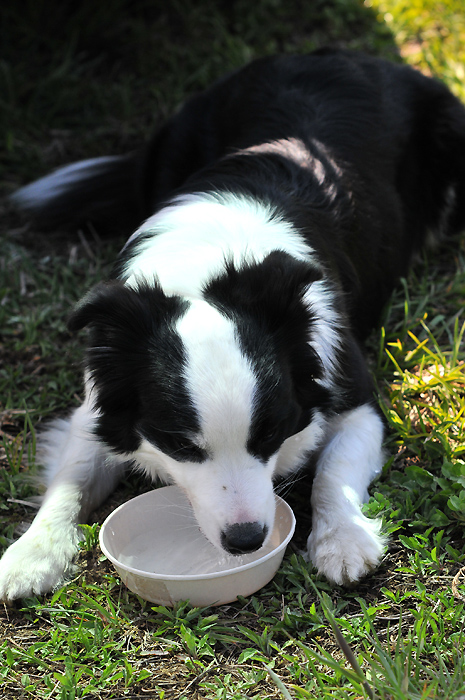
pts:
pixel 345 552
pixel 36 563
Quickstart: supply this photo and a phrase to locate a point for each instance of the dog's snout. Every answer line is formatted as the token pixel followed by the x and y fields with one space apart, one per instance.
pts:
pixel 241 538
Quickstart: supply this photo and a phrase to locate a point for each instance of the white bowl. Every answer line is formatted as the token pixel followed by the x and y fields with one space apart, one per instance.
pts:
pixel 160 553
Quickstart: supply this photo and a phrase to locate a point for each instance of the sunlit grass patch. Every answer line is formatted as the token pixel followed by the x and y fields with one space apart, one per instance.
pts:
pixel 430 36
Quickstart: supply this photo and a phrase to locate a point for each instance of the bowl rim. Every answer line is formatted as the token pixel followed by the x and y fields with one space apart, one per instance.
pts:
pixel 192 577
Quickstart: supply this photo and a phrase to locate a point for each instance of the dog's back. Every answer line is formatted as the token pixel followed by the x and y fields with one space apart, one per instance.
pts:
pixel 376 149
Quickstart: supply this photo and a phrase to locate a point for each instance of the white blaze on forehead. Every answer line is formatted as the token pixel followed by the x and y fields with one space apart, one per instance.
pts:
pixel 219 377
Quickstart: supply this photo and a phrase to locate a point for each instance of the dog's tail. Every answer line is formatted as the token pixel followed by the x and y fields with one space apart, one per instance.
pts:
pixel 103 191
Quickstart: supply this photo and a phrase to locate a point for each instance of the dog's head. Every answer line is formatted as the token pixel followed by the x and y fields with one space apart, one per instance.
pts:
pixel 204 392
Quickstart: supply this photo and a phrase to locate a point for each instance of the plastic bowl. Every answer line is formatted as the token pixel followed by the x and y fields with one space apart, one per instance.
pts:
pixel 160 553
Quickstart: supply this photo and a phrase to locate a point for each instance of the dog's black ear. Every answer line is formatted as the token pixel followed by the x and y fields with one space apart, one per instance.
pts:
pixel 112 304
pixel 126 340
pixel 271 290
pixel 94 306
pixel 271 295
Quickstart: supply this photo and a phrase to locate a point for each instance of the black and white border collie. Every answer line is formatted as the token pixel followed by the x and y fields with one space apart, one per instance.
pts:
pixel 279 209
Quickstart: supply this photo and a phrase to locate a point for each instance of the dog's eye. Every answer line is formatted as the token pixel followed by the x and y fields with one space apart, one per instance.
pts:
pixel 184 449
pixel 173 444
pixel 269 436
pixel 272 435
pixel 184 444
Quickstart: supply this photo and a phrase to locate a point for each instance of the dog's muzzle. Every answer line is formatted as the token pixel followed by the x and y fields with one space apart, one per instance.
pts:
pixel 242 538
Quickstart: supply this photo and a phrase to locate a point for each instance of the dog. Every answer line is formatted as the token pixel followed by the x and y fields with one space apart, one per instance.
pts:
pixel 273 216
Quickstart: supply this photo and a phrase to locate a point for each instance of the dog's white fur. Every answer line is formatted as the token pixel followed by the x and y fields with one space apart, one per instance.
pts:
pixel 225 225
pixel 343 543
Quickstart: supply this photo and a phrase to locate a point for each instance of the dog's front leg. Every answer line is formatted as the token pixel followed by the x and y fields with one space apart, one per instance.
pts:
pixel 79 475
pixel 344 545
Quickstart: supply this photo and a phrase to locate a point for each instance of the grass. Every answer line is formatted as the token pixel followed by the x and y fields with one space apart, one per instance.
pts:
pixel 91 79
pixel 430 36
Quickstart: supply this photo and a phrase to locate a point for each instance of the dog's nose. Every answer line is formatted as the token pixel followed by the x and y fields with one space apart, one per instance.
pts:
pixel 241 538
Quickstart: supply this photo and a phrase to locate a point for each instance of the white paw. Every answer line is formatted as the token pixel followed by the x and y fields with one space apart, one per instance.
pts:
pixel 36 563
pixel 345 552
